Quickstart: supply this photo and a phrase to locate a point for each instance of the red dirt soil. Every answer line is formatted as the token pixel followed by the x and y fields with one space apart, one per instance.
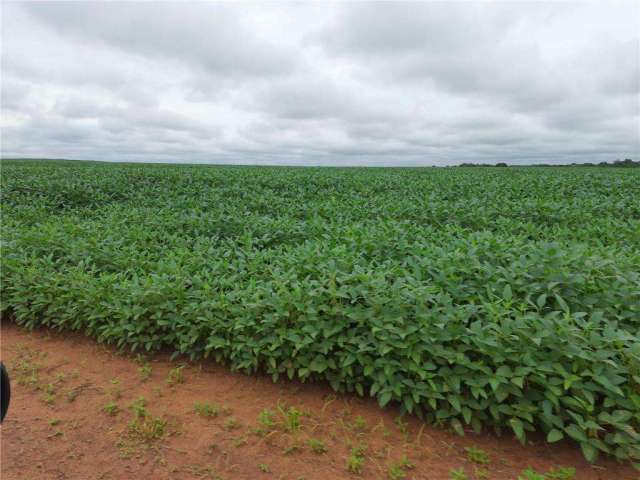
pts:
pixel 57 429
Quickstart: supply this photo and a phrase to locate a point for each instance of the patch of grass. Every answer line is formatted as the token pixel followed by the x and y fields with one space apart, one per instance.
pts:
pixel 477 455
pixel 72 394
pixel 207 409
pixel 458 474
pixel 203 471
pixel 139 407
pixel 26 368
pixel 111 408
pixel 266 420
pixel 398 470
pixel 317 446
pixel 54 421
pixel 116 389
pixel 561 473
pixel 240 441
pixel 49 394
pixel 264 468
pixel 359 424
pixel 402 425
pixel 531 474
pixel 290 419
pixel 231 424
pixel 147 429
pixel 176 375
pixel 355 464
pixel 293 448
pixel 144 372
pixel 355 461
pixel 481 473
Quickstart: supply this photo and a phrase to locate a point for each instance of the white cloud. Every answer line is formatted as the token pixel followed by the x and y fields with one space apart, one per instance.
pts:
pixel 322 83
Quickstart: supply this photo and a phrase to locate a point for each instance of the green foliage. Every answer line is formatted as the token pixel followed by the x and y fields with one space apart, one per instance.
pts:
pixel 207 409
pixel 175 376
pixel 477 455
pixel 111 408
pixel 145 372
pixel 231 423
pixel 530 474
pixel 290 419
pixel 475 298
pixel 359 424
pixel 561 473
pixel 398 470
pixel 147 429
pixel 458 474
pixel 317 446
pixel 355 461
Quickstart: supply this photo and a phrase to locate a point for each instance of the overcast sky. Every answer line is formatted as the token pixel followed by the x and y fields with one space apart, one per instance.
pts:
pixel 322 83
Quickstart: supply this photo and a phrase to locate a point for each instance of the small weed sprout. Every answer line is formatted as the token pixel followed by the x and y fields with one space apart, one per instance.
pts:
pixel 458 474
pixel 355 461
pixel 207 409
pixel 139 407
pixel 147 429
pixel 531 474
pixel 317 446
pixel 359 424
pixel 231 424
pixel 398 470
pixel 561 473
pixel 176 375
pixel 111 408
pixel 481 473
pixel 266 422
pixel 264 468
pixel 477 455
pixel 49 394
pixel 291 419
pixel 144 372
pixel 402 425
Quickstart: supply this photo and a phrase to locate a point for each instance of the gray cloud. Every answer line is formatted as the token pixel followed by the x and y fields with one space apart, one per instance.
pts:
pixel 337 84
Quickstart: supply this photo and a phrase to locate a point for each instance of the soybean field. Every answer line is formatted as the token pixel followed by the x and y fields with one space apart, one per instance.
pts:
pixel 485 299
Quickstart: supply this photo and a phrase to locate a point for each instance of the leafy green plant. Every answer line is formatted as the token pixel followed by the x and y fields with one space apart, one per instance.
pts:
pixel 290 419
pixel 458 474
pixel 49 394
pixel 317 446
pixel 530 474
pixel 359 424
pixel 111 408
pixel 355 461
pixel 266 422
pixel 147 429
pixel 139 407
pixel 176 375
pixel 398 469
pixel 561 473
pixel 207 409
pixel 231 423
pixel 144 372
pixel 477 455
pixel 474 298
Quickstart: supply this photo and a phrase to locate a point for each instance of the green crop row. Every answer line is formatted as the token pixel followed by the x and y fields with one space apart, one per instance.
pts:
pixel 493 298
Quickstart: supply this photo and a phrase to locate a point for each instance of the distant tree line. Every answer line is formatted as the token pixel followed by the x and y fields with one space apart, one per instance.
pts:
pixel 626 163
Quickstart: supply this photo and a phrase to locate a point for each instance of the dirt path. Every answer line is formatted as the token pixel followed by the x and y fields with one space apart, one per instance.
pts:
pixel 71 416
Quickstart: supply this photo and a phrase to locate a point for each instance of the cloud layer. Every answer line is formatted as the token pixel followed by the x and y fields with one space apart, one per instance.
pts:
pixel 322 83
